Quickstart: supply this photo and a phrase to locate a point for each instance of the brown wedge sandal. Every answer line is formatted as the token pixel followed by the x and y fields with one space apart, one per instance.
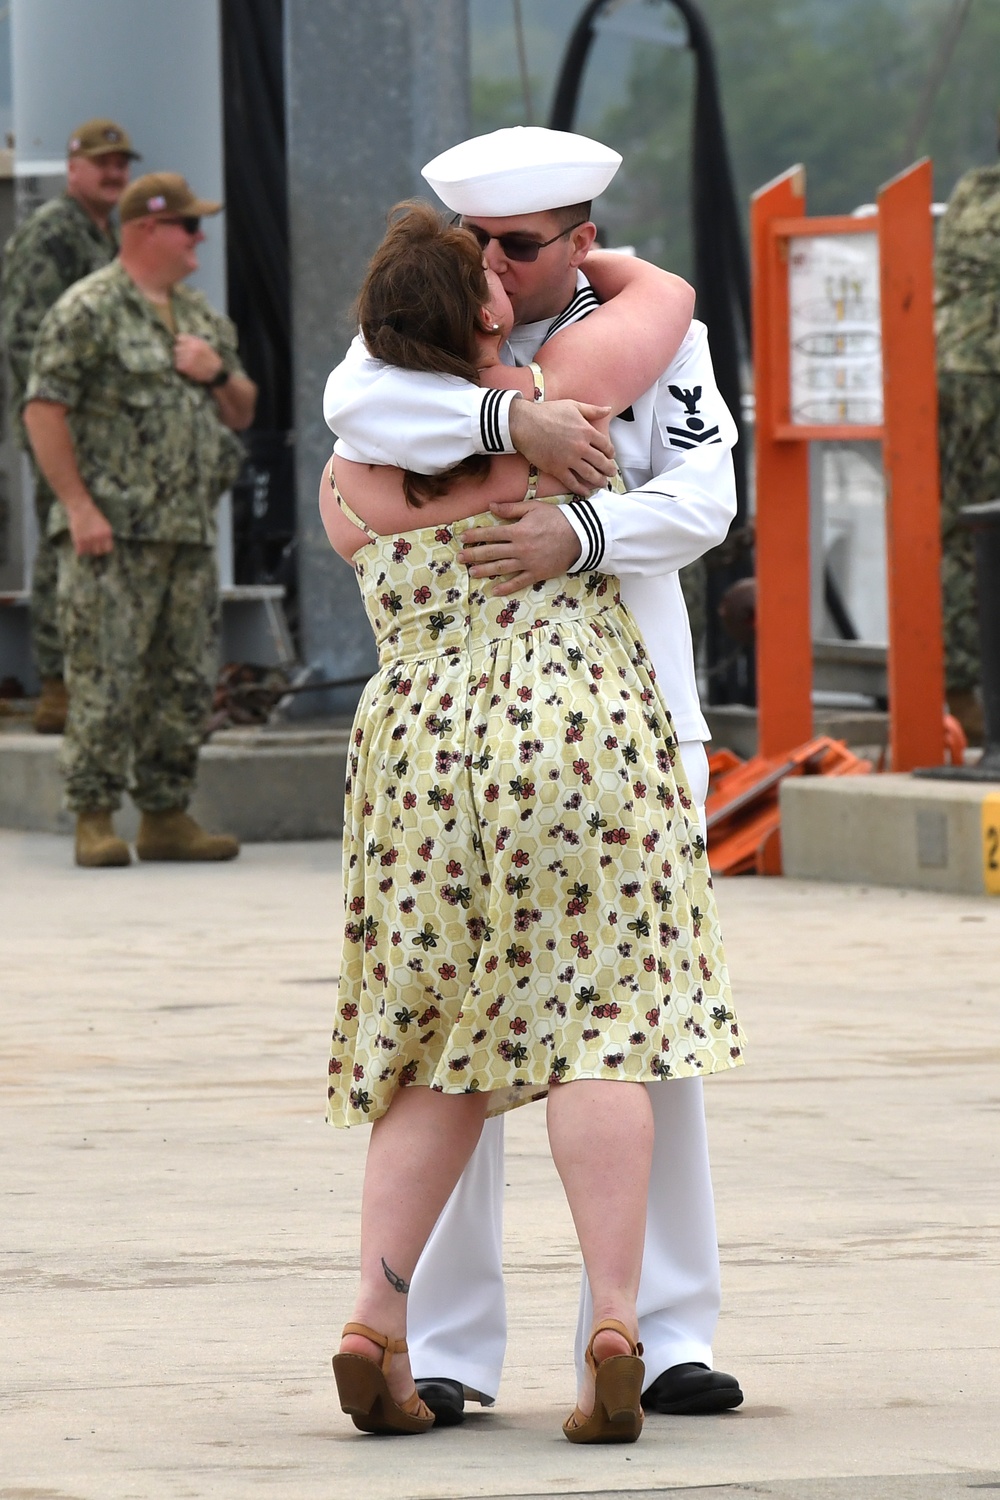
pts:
pixel 364 1392
pixel 617 1414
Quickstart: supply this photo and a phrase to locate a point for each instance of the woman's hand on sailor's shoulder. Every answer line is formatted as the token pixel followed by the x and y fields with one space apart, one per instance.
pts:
pixel 534 542
pixel 561 438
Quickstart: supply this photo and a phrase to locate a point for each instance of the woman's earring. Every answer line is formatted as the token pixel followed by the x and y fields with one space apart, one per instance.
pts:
pixel 494 328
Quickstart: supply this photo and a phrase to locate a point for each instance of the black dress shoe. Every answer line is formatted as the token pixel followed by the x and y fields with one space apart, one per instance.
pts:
pixel 688 1391
pixel 446 1399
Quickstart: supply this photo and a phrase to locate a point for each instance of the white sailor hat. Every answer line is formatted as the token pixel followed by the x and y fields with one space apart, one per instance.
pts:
pixel 522 170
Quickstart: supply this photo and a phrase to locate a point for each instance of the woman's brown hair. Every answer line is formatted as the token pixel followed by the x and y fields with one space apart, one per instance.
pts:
pixel 420 307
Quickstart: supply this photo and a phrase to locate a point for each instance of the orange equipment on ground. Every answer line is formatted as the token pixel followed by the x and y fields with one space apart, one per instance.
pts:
pixel 742 812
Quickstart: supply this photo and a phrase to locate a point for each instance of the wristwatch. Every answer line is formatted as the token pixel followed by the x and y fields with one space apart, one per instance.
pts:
pixel 217 380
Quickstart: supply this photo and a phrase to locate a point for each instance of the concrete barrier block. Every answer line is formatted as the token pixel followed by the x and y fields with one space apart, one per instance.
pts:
pixel 884 830
pixel 262 786
pixel 272 794
pixel 31 788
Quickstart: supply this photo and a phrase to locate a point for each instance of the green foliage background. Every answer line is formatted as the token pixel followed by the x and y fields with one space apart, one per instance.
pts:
pixel 834 84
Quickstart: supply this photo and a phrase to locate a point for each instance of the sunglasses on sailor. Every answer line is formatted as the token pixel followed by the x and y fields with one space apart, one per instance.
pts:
pixel 189 223
pixel 517 246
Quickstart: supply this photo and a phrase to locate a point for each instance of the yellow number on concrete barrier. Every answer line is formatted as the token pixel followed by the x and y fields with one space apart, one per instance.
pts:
pixel 991 843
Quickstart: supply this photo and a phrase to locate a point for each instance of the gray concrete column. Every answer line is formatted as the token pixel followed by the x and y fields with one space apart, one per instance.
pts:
pixel 372 91
pixel 441 108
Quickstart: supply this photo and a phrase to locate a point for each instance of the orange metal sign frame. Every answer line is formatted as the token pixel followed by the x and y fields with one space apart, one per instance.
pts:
pixel 908 435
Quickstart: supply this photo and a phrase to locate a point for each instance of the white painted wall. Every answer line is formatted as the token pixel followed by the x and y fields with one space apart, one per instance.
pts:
pixel 153 65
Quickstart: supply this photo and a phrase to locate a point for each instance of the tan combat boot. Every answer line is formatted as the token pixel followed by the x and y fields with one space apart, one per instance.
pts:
pixel 174 834
pixel 97 844
pixel 52 707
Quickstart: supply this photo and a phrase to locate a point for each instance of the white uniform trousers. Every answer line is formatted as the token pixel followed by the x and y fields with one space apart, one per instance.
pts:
pixel 456 1315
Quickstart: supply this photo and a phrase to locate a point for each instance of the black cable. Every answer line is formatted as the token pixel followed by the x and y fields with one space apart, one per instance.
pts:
pixel 837 608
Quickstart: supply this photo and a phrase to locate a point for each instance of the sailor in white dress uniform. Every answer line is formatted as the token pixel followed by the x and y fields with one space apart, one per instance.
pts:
pixel 674 449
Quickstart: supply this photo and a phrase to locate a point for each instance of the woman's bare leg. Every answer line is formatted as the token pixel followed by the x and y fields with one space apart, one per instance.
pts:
pixel 417 1153
pixel 601 1136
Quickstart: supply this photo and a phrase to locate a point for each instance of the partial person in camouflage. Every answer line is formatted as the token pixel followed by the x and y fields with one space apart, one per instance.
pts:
pixel 135 395
pixel 967 274
pixel 56 246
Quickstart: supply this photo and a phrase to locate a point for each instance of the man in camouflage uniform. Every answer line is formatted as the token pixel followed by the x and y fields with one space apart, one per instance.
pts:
pixel 134 396
pixel 60 243
pixel 967 272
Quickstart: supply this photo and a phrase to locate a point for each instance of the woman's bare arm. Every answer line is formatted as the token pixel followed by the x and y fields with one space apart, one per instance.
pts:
pixel 344 537
pixel 375 491
pixel 619 351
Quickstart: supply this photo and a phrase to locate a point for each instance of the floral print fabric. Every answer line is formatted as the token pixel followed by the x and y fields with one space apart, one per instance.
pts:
pixel 528 897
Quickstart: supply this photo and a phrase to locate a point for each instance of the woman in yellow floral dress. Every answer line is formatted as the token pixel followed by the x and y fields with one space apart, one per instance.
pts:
pixel 529 906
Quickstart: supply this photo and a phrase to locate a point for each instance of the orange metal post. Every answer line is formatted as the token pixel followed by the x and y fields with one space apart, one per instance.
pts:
pixel 784 634
pixel 910 451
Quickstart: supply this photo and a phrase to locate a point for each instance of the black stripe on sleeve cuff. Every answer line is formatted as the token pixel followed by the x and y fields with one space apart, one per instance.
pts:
pixel 489 421
pixel 591 523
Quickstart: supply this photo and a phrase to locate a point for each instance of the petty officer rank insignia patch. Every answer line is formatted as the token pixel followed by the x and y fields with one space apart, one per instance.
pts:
pixel 694 432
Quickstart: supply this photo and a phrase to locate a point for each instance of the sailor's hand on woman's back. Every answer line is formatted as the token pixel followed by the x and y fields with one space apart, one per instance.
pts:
pixel 533 542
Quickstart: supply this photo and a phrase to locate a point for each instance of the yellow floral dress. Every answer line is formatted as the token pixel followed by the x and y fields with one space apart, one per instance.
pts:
pixel 528 897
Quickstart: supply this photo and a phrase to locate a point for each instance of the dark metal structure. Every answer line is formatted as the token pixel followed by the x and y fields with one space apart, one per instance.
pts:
pixel 984 523
pixel 258 283
pixel 722 281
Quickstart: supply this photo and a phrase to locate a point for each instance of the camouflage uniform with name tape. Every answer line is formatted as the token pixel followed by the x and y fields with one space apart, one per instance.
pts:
pixel 967 274
pixel 138 624
pixel 53 249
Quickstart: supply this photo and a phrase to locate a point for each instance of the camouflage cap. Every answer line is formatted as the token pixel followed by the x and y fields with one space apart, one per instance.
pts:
pixel 162 194
pixel 100 138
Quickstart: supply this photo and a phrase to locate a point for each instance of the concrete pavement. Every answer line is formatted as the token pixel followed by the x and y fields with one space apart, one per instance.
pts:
pixel 178 1227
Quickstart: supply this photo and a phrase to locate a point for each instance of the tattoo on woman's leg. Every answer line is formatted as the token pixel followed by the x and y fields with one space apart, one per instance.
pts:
pixel 394 1280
